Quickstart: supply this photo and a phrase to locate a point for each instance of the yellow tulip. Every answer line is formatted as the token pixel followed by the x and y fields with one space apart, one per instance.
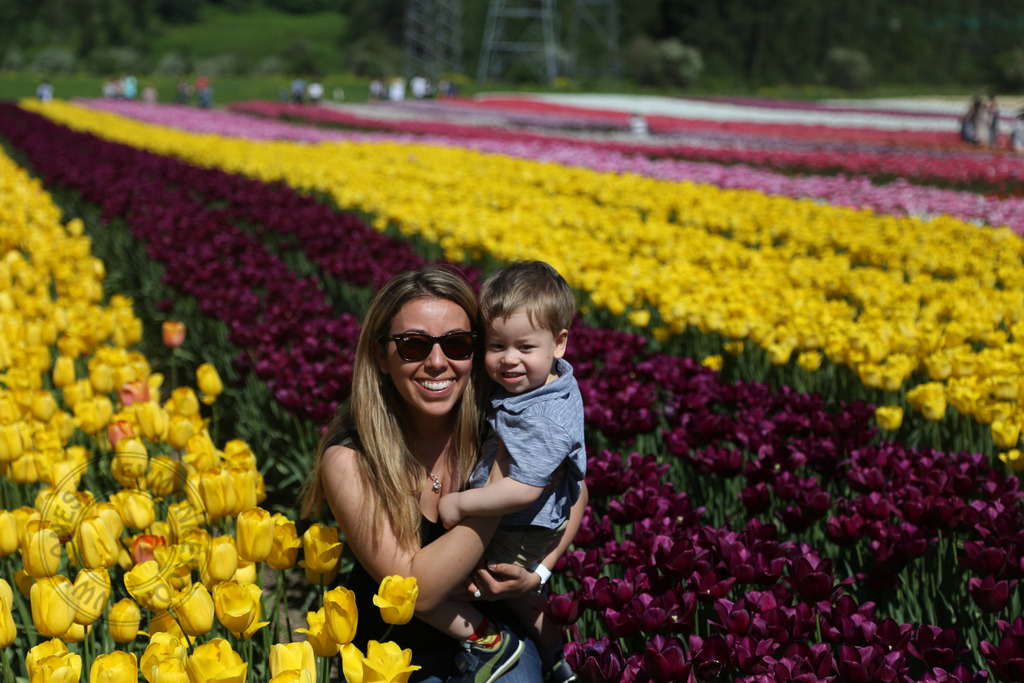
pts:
pixel 179 430
pixel 321 551
pixel 124 620
pixel 152 421
pixel 47 648
pixel 165 476
pixel 255 530
pixel 285 548
pixel 101 377
pixel 40 549
pixel 212 491
pixel 91 592
pixel 130 462
pixel 200 453
pixel 183 402
pixel 930 399
pixel 166 670
pixel 316 634
pixel 162 651
pixel 164 622
pixel 246 572
pixel 1006 433
pixel 396 599
pixel 110 514
pixel 714 362
pixel 293 676
pixel 8 629
pixel 889 417
pixel 240 454
pixel 53 605
pixel 147 584
pixel 76 633
pixel 383 662
pixel 93 414
pixel 181 517
pixel 63 372
pixel 135 507
pixel 114 667
pixel 215 661
pixel 173 333
pixel 291 656
pixel 8 533
pixel 194 610
pixel 25 470
pixel 246 483
pixel 209 382
pixel 221 559
pixel 62 668
pixel 44 406
pixel 340 614
pixel 12 444
pixel 1014 459
pixel 236 604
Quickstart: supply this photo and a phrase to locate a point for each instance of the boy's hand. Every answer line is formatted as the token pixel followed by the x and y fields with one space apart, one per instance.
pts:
pixel 448 510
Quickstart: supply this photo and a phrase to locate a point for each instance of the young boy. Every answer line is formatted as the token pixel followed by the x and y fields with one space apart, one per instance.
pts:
pixel 536 418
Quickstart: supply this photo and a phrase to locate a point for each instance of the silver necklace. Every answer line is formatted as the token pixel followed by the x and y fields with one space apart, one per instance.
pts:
pixel 437 482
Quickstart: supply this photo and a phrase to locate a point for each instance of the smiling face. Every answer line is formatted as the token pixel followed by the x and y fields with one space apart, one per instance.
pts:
pixel 520 356
pixel 430 387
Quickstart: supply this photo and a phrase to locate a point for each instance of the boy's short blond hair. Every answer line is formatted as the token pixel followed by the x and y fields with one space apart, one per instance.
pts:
pixel 531 287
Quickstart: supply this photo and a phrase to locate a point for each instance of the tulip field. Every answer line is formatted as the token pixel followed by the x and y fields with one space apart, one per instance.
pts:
pixel 800 348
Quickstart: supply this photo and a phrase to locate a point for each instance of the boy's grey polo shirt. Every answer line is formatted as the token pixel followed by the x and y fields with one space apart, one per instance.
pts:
pixel 541 429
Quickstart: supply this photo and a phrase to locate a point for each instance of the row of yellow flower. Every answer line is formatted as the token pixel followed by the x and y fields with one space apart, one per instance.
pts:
pixel 883 295
pixel 173 507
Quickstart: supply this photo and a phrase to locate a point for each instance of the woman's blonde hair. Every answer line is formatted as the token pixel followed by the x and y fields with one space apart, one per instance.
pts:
pixel 375 422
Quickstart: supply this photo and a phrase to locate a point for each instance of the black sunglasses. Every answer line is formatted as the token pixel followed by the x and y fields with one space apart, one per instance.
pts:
pixel 416 347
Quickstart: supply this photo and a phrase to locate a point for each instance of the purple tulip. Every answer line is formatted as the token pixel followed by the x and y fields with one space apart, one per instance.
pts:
pixel 665 660
pixel 936 647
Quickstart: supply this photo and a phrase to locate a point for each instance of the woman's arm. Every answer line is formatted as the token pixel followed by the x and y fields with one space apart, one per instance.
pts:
pixel 500 580
pixel 439 567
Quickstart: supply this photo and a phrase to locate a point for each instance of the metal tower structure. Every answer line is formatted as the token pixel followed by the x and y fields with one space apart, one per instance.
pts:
pixel 601 17
pixel 433 38
pixel 511 32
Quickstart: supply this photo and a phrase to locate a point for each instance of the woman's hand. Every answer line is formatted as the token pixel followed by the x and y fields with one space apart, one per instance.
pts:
pixel 498 580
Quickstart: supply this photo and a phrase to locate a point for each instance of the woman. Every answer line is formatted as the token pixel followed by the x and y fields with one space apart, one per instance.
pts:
pixel 412 436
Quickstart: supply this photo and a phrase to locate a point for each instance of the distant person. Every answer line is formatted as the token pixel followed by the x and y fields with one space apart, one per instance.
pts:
pixel 45 91
pixel 298 91
pixel 183 92
pixel 396 89
pixel 993 125
pixel 129 87
pixel 204 92
pixel 1017 133
pixel 316 92
pixel 974 127
pixel 420 87
pixel 111 89
pixel 149 94
pixel 377 89
pixel 638 124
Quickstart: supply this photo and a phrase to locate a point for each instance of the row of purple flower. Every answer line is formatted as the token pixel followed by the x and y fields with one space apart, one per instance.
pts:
pixel 655 592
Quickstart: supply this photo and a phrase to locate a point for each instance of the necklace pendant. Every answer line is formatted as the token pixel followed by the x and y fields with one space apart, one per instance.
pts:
pixel 437 486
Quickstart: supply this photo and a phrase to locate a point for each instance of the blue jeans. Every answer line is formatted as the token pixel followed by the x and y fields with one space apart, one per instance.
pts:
pixel 526 670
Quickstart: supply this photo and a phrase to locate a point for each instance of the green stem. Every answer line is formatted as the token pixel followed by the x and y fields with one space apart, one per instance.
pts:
pixel 8 673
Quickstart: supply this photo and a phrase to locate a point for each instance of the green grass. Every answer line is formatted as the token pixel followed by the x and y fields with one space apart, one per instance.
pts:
pixel 255 34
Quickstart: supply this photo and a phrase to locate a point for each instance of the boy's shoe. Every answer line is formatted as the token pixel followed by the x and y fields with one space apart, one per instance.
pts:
pixel 560 673
pixel 485 660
